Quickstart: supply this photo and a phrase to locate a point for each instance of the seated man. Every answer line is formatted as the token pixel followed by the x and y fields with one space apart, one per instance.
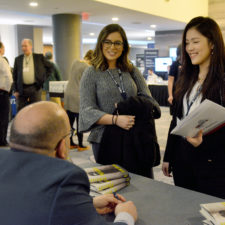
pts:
pixel 38 187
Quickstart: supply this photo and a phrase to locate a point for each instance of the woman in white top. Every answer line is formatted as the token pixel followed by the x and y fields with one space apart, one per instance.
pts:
pixel 199 163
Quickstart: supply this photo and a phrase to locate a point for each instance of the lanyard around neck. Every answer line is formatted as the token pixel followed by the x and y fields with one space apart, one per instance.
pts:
pixel 120 88
pixel 193 99
pixel 27 59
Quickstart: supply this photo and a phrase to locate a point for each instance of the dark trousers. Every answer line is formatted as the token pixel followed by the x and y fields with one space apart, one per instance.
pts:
pixel 4 116
pixel 30 95
pixel 142 170
pixel 72 117
pixel 184 175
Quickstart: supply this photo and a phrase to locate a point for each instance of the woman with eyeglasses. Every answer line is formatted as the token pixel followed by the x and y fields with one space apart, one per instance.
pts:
pixel 110 80
pixel 198 163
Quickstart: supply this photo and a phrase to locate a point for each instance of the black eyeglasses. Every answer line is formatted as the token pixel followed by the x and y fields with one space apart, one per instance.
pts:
pixel 108 44
pixel 63 137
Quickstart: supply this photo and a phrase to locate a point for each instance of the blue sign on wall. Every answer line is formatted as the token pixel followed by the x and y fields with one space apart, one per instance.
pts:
pixel 150 55
pixel 151 45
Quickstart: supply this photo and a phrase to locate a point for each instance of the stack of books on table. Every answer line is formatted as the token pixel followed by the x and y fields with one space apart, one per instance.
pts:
pixel 214 213
pixel 107 179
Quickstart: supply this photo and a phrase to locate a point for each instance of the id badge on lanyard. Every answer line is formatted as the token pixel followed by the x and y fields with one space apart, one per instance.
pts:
pixel 120 88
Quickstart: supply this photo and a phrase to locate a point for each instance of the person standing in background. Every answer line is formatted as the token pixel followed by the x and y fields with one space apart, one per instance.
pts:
pixel 198 163
pixel 172 77
pixel 55 76
pixel 29 73
pixel 5 87
pixel 111 79
pixel 72 98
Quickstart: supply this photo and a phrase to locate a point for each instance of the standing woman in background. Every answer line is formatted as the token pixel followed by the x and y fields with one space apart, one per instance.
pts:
pixel 173 76
pixel 72 98
pixel 198 163
pixel 110 80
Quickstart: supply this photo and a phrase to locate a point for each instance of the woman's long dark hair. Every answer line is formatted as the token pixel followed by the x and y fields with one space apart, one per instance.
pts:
pixel 99 61
pixel 213 85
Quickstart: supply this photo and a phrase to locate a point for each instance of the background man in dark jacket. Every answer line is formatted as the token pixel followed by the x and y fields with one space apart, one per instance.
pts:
pixel 38 187
pixel 29 73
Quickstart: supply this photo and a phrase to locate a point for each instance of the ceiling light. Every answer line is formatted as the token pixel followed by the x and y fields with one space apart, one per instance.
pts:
pixel 115 19
pixel 149 38
pixel 91 34
pixel 153 26
pixel 33 4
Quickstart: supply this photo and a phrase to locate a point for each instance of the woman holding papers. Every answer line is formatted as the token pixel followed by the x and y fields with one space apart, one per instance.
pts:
pixel 198 163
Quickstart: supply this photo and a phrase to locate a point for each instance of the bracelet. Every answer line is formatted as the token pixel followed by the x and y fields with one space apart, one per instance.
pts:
pixel 113 119
pixel 116 119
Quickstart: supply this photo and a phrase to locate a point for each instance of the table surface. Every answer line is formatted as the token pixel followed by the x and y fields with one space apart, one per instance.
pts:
pixel 163 204
pixel 159 93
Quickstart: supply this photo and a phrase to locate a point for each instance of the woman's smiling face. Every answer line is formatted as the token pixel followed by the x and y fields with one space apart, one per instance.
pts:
pixel 198 47
pixel 112 47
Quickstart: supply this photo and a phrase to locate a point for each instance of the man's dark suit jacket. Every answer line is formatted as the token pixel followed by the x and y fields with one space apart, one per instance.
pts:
pixel 40 190
pixel 42 70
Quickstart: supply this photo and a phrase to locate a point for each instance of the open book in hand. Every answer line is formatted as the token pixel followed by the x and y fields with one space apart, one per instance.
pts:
pixel 214 213
pixel 208 116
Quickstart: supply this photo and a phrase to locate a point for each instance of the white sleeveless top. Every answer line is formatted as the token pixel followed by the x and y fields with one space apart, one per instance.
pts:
pixel 197 101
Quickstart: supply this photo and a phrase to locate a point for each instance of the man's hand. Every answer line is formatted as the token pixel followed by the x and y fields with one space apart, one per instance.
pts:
pixel 128 207
pixel 106 203
pixel 197 140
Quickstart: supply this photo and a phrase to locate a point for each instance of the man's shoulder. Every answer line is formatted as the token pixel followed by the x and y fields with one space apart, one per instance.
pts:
pixel 19 57
pixel 38 55
pixel 39 160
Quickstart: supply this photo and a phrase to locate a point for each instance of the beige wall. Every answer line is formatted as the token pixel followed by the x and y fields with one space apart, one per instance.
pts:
pixel 171 9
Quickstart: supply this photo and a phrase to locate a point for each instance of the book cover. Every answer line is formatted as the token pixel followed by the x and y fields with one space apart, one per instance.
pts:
pixel 105 173
pixel 99 186
pixel 214 212
pixel 208 116
pixel 109 190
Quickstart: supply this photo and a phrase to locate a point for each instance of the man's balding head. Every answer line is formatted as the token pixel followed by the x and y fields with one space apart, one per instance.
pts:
pixel 39 126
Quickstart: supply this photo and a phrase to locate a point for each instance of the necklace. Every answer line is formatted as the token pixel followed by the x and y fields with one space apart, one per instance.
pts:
pixel 27 59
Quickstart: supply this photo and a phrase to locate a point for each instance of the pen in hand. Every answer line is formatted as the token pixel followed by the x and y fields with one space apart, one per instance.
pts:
pixel 116 196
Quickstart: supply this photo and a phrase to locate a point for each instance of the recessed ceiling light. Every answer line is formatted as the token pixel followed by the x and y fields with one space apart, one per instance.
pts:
pixel 153 26
pixel 33 4
pixel 115 19
pixel 91 34
pixel 149 38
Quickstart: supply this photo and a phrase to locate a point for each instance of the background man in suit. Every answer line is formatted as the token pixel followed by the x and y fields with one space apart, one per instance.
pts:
pixel 29 73
pixel 5 86
pixel 38 187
